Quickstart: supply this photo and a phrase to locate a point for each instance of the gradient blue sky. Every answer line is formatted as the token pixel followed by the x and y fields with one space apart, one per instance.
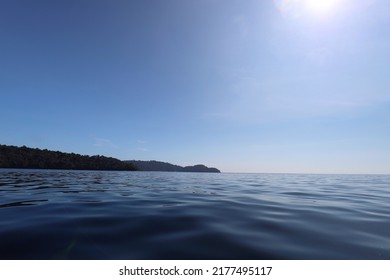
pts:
pixel 242 85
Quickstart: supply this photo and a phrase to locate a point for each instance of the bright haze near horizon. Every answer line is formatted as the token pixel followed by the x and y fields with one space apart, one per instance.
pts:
pixel 244 86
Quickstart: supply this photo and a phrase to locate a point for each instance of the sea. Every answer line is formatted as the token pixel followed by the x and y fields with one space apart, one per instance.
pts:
pixel 60 214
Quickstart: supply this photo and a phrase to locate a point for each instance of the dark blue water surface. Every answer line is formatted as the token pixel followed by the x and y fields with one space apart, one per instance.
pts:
pixel 50 214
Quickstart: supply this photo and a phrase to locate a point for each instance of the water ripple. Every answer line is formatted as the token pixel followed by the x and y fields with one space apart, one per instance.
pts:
pixel 49 214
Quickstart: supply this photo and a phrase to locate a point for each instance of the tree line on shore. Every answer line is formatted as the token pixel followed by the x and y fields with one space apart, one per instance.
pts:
pixel 154 165
pixel 24 157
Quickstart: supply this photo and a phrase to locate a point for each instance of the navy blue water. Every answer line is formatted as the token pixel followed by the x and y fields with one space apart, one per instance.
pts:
pixel 151 215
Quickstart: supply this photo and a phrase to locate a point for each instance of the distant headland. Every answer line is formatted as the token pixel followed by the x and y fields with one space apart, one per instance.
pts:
pixel 34 158
pixel 165 166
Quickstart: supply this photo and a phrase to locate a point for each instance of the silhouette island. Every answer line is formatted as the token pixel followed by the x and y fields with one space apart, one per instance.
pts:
pixel 33 158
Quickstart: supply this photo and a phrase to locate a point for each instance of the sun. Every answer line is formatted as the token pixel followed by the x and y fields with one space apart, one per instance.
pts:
pixel 321 7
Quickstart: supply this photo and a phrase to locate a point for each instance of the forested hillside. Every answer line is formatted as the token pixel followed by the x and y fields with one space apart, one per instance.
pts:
pixel 24 157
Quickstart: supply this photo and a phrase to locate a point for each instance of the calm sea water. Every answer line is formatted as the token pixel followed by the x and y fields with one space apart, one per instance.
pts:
pixel 151 215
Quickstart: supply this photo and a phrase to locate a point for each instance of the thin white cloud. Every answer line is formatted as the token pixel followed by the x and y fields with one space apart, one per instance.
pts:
pixel 242 25
pixel 101 142
pixel 141 146
pixel 252 101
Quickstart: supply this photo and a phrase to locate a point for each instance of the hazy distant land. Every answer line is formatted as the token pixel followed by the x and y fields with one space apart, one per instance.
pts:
pixel 33 158
pixel 164 166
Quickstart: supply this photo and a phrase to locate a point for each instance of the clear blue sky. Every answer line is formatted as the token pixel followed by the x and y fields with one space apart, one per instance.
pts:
pixel 245 86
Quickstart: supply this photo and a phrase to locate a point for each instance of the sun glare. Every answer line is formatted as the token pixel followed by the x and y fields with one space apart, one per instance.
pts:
pixel 321 7
pixel 311 8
